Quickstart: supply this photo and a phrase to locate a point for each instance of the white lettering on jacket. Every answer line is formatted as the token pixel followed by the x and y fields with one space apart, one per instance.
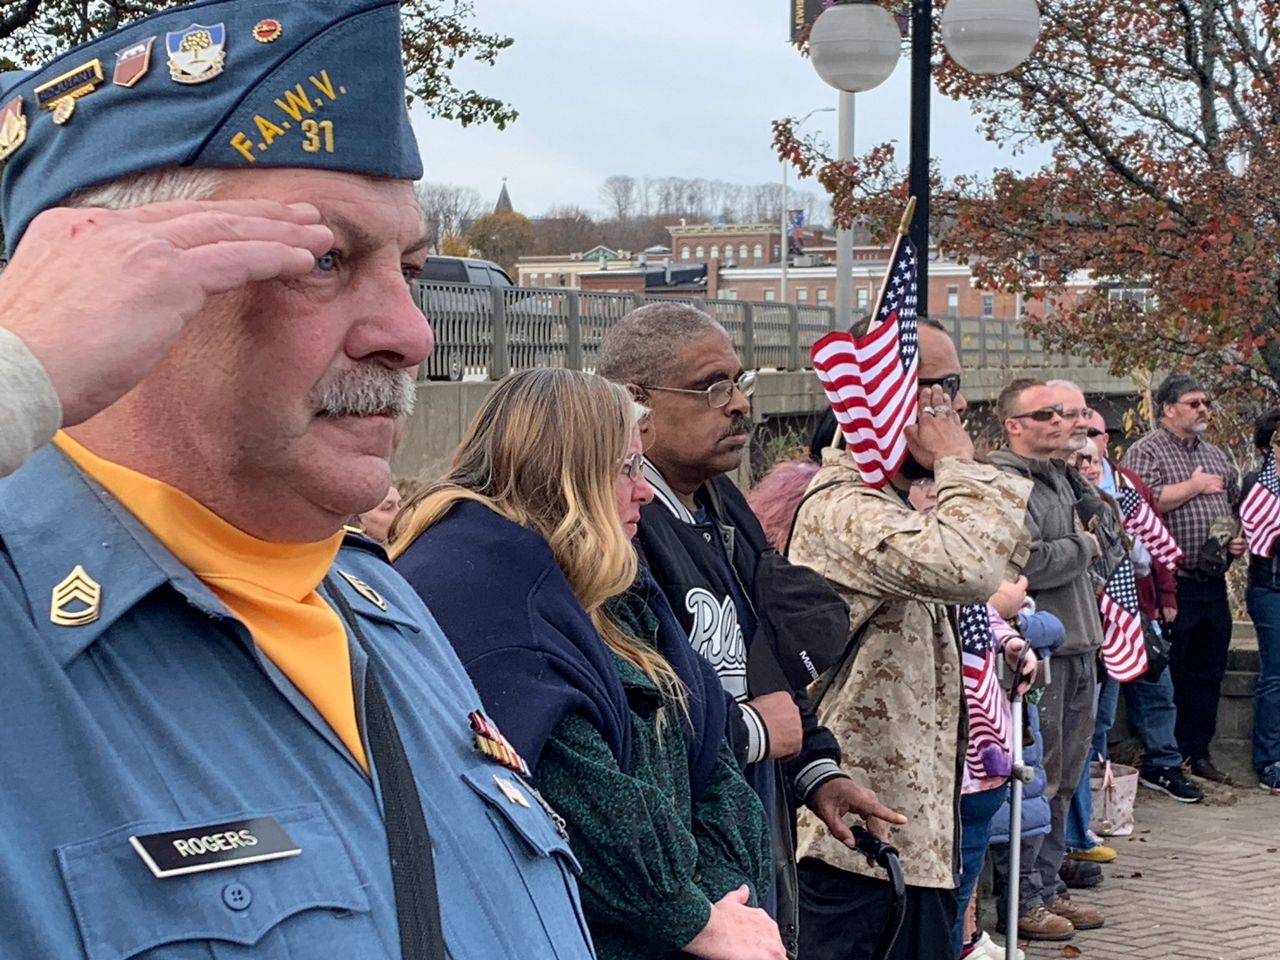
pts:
pixel 716 635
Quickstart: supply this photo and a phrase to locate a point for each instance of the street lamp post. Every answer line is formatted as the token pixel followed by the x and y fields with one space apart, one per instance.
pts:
pixel 983 36
pixel 782 245
pixel 854 47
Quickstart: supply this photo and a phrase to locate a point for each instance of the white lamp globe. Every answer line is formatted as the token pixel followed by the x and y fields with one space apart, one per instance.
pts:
pixel 855 46
pixel 990 36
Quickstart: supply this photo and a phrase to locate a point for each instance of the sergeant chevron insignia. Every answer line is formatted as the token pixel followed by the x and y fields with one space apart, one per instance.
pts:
pixel 364 590
pixel 76 601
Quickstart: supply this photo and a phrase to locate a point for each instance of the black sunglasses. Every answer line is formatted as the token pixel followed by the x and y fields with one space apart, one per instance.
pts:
pixel 950 384
pixel 1094 432
pixel 1043 415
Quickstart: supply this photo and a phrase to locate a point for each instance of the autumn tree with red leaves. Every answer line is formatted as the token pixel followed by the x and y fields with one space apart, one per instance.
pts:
pixel 1164 116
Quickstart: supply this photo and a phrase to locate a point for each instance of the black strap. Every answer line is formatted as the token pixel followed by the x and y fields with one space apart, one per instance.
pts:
pixel 855 640
pixel 413 870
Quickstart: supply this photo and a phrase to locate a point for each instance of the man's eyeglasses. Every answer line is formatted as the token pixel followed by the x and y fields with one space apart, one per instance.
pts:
pixel 1094 432
pixel 1080 413
pixel 1043 415
pixel 633 466
pixel 950 384
pixel 1197 404
pixel 719 393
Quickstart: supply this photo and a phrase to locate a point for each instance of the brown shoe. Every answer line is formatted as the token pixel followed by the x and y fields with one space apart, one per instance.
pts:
pixel 1203 768
pixel 1081 915
pixel 1039 924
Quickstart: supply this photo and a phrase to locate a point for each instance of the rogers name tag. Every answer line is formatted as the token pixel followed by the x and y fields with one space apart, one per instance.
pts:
pixel 197 849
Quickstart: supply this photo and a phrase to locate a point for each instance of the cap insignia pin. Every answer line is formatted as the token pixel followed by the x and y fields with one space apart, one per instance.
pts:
pixel 13 127
pixel 268 31
pixel 132 63
pixel 76 601
pixel 364 590
pixel 196 54
pixel 61 93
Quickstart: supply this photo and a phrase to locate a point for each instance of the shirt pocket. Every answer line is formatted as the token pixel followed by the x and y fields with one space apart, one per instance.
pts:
pixel 309 904
pixel 542 857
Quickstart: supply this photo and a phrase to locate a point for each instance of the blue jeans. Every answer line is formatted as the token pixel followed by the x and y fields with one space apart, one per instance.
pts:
pixel 976 812
pixel 1151 712
pixel 1264 610
pixel 1081 811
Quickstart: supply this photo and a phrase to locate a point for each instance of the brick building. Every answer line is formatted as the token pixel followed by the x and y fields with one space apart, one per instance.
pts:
pixel 741 262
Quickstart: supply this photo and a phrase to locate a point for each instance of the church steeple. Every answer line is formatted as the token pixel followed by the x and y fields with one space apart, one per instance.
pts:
pixel 504 200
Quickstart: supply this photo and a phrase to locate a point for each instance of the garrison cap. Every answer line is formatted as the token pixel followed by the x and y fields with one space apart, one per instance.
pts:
pixel 236 84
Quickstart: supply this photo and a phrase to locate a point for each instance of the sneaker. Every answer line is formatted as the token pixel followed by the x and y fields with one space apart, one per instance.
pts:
pixel 984 948
pixel 1081 915
pixel 1170 781
pixel 1080 874
pixel 1203 768
pixel 1269 778
pixel 1039 924
pixel 1099 853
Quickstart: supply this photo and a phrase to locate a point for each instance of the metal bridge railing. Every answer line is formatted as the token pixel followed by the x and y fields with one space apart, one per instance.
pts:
pixel 487 332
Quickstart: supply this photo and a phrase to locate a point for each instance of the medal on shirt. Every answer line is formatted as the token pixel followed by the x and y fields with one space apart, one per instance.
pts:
pixel 490 741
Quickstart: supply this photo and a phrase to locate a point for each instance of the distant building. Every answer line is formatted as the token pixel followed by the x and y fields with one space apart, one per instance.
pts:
pixel 741 262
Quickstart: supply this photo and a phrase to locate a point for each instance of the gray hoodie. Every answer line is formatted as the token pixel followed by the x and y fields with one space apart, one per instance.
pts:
pixel 29 407
pixel 1058 570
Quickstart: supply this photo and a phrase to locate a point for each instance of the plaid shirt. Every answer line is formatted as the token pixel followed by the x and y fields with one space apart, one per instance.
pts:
pixel 1161 458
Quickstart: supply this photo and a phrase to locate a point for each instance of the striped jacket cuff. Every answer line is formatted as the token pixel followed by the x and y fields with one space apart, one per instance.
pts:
pixel 757 734
pixel 813 775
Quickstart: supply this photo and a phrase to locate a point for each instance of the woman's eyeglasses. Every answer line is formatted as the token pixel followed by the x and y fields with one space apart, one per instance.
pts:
pixel 633 466
pixel 1043 415
pixel 719 393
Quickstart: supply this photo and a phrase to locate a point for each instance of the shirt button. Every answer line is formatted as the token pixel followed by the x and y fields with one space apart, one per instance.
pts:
pixel 237 896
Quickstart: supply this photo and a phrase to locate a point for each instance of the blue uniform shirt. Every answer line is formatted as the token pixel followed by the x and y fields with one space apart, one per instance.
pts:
pixel 161 716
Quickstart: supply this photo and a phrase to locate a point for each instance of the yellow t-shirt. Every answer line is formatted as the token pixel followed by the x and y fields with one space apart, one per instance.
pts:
pixel 271 587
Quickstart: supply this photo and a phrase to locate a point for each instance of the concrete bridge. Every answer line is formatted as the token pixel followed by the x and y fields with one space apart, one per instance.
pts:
pixel 483 333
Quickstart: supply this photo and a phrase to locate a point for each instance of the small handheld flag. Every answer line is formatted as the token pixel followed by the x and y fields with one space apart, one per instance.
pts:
pixel 871 381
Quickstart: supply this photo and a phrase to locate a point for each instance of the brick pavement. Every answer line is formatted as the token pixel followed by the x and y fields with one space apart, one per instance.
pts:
pixel 1194 882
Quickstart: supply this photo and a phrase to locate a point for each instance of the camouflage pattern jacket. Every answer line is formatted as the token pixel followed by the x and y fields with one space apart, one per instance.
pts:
pixel 897 706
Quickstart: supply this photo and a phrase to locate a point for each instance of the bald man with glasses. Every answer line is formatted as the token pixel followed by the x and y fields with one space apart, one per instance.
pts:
pixel 1036 434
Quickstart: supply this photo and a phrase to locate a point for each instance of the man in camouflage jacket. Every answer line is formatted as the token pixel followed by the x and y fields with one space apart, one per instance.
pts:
pixel 897 707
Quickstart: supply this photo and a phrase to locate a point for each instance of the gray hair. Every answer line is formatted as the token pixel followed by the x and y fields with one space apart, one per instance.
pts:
pixel 640 347
pixel 151 186
pixel 1174 387
pixel 1063 385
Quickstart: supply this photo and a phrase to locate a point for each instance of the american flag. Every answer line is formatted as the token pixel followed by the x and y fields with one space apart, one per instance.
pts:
pixel 1142 523
pixel 1123 652
pixel 1260 510
pixel 871 380
pixel 989 720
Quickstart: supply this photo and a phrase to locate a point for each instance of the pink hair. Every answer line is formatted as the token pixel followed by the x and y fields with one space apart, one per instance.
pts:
pixel 777 496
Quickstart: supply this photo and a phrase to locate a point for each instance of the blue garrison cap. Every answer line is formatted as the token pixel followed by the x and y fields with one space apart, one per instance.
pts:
pixel 239 84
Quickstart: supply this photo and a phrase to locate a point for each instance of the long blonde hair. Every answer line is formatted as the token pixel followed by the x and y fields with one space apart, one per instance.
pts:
pixel 544 451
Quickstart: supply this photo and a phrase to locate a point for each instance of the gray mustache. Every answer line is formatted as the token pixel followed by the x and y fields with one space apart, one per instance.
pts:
pixel 371 390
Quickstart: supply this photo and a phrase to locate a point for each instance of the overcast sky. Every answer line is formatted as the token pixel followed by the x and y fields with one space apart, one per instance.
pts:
pixel 683 88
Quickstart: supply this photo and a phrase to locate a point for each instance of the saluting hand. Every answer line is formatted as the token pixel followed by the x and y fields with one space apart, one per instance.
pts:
pixel 99 296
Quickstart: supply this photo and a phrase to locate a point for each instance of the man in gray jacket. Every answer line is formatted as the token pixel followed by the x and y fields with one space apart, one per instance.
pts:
pixel 1036 430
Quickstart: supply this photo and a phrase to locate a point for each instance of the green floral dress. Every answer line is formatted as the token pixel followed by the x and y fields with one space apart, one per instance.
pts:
pixel 653 861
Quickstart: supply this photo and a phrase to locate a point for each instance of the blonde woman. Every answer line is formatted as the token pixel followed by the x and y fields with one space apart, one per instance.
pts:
pixel 523 554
